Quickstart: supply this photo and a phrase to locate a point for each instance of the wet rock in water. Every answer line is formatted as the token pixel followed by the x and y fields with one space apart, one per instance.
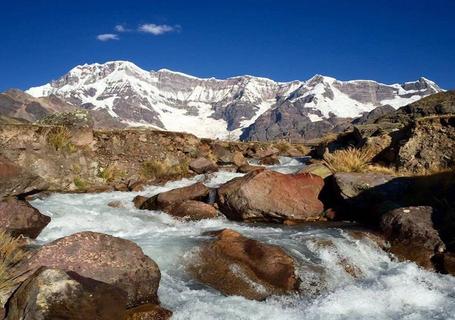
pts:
pixel 342 261
pixel 56 294
pixel 269 160
pixel 203 165
pixel 148 312
pixel 121 187
pixel 197 191
pixel 15 181
pixel 236 265
pixel 272 197
pixel 412 235
pixel 19 218
pixel 193 210
pixel 105 258
pixel 449 263
pixel 116 204
pixel 247 168
pixel 139 201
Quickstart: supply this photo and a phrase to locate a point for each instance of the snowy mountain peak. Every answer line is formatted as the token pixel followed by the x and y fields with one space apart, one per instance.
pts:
pixel 211 107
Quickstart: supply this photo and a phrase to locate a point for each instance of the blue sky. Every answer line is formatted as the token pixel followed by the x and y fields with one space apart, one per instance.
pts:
pixel 388 41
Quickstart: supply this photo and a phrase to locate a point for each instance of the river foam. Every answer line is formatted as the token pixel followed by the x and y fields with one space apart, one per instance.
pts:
pixel 382 289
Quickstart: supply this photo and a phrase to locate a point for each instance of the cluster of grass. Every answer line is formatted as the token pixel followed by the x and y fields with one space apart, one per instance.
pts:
pixel 163 169
pixel 60 139
pixel 11 255
pixel 354 160
pixel 80 183
pixel 282 146
pixel 111 173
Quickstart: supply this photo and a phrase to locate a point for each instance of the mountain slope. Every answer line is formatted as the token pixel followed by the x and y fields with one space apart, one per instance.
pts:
pixel 220 108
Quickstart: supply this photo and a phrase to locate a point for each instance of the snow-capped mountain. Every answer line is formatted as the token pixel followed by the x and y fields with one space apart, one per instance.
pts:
pixel 219 108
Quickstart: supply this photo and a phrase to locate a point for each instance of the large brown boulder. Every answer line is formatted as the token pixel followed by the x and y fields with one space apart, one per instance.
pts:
pixel 269 160
pixel 192 210
pixel 20 218
pixel 197 191
pixel 236 265
pixel 55 294
pixel 272 196
pixel 16 181
pixel 104 258
pixel 203 165
pixel 412 235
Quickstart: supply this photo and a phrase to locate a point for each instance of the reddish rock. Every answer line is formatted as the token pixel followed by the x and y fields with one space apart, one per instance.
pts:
pixel 148 312
pixel 16 181
pixel 236 265
pixel 247 168
pixel 20 218
pixel 193 210
pixel 116 204
pixel 272 197
pixel 105 258
pixel 56 294
pixel 139 201
pixel 412 235
pixel 197 191
pixel 203 165
pixel 269 160
pixel 136 185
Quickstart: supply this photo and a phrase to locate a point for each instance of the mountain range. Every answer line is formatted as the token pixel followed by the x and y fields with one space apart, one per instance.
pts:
pixel 245 107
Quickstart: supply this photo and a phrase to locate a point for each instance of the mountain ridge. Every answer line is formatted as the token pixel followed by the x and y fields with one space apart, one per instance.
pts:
pixel 220 108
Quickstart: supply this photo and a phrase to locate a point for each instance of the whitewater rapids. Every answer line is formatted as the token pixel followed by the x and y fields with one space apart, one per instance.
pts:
pixel 385 289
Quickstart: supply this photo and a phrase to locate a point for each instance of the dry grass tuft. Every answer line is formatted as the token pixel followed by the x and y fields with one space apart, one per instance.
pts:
pixel 60 139
pixel 155 169
pixel 354 160
pixel 11 255
pixel 348 160
pixel 111 173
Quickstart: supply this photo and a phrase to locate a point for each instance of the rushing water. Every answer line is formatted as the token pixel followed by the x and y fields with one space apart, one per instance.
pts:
pixel 383 289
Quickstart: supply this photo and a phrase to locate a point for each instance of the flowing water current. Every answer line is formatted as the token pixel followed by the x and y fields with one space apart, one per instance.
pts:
pixel 381 289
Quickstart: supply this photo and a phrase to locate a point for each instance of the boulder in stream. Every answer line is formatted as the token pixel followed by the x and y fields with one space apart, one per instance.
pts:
pixel 197 191
pixel 270 196
pixel 105 258
pixel 192 210
pixel 237 265
pixel 56 294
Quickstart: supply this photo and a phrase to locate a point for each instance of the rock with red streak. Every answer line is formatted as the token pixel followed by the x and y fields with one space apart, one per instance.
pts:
pixel 236 265
pixel 270 196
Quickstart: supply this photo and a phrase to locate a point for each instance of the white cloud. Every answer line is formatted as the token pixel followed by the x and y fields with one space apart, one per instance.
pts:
pixel 157 29
pixel 120 28
pixel 107 37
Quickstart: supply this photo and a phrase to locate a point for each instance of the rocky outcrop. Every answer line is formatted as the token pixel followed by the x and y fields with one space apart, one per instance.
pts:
pixel 428 145
pixel 236 265
pixel 105 258
pixel 192 210
pixel 412 235
pixel 203 165
pixel 19 218
pixel 17 181
pixel 56 294
pixel 272 197
pixel 197 191
pixel 269 160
